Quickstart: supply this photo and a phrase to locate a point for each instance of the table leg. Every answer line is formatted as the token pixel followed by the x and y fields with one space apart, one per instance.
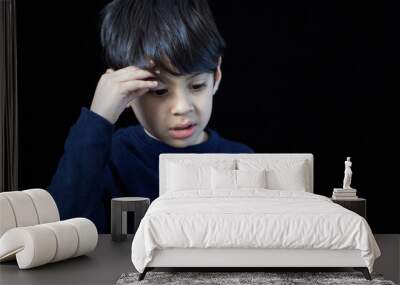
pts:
pixel 117 222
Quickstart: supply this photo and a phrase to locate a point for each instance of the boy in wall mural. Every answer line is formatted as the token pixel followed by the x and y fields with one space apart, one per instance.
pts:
pixel 164 59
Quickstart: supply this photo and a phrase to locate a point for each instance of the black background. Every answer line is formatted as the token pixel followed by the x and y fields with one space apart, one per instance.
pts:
pixel 297 77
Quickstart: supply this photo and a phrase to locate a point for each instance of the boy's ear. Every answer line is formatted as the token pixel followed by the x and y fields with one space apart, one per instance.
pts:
pixel 217 76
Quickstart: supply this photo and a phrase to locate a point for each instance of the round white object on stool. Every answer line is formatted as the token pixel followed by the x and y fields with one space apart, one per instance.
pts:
pixel 45 205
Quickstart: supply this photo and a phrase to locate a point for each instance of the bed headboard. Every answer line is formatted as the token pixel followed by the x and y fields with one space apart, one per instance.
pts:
pixel 164 157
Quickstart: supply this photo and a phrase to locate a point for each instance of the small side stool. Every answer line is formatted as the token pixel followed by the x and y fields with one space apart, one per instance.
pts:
pixel 358 205
pixel 119 208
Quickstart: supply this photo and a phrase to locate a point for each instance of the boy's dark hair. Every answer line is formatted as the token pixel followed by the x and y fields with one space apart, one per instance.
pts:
pixel 180 31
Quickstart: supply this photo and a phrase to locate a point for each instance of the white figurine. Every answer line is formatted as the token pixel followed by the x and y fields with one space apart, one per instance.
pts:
pixel 347 174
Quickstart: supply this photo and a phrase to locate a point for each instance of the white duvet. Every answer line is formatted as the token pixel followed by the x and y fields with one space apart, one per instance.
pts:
pixel 250 218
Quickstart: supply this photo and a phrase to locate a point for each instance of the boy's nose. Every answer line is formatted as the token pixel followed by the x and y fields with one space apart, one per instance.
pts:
pixel 183 104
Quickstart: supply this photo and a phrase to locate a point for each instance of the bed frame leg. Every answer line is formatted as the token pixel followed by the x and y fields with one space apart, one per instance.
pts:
pixel 364 271
pixel 143 274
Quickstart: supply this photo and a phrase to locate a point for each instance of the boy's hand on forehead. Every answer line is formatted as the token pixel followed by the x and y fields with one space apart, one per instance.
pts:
pixel 116 89
pixel 133 68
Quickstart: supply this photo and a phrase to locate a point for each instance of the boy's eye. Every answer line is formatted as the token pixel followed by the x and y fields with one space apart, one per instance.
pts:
pixel 163 91
pixel 160 91
pixel 198 86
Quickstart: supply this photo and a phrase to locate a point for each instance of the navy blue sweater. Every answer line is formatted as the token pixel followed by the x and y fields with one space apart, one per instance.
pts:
pixel 100 163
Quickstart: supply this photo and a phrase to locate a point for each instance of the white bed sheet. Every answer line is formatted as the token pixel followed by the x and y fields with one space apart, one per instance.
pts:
pixel 250 218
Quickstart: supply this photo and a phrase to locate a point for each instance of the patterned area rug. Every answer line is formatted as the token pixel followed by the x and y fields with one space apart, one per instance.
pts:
pixel 270 278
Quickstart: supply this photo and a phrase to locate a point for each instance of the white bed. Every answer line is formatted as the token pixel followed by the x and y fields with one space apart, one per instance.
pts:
pixel 280 224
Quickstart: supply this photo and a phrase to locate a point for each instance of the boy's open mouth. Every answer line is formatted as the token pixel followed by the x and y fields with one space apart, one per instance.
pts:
pixel 182 132
pixel 184 127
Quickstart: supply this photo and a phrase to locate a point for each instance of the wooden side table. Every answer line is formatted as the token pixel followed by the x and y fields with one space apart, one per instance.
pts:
pixel 119 208
pixel 358 205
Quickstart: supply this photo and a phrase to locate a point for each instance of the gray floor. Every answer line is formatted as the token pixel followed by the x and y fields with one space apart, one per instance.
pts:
pixel 389 262
pixel 110 260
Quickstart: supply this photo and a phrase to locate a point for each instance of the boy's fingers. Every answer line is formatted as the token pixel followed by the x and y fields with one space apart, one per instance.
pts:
pixel 135 85
pixel 135 95
pixel 138 74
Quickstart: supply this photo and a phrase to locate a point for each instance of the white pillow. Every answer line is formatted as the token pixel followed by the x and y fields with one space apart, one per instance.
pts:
pixel 237 179
pixel 251 178
pixel 284 174
pixel 187 177
pixel 223 179
pixel 188 174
